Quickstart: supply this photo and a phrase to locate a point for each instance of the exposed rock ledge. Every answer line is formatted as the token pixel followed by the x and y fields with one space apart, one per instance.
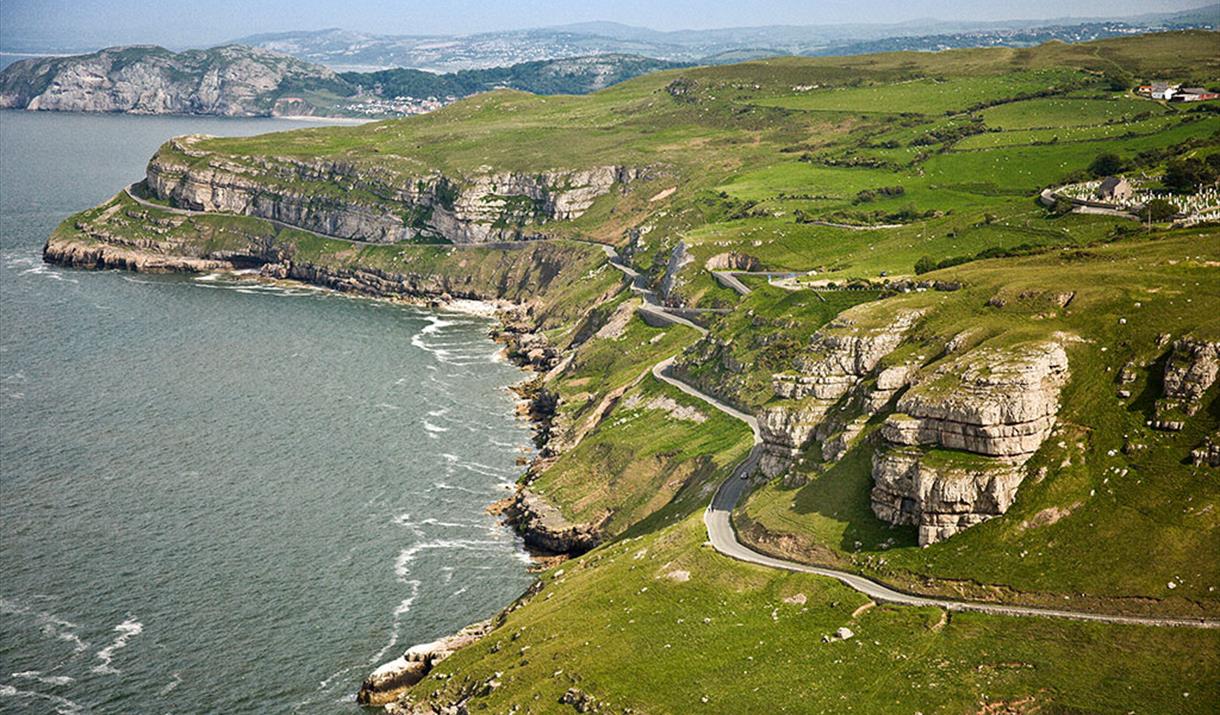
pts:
pixel 999 405
pixel 391 679
pixel 95 256
pixel 375 205
pixel 544 528
pixel 841 354
pixel 1190 372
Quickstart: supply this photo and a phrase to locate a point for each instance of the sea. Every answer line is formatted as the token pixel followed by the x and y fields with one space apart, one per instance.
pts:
pixel 222 495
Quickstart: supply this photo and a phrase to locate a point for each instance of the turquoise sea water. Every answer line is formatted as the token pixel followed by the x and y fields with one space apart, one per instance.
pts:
pixel 217 495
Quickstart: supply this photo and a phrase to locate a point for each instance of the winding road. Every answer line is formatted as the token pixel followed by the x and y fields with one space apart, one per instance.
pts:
pixel 718 516
pixel 720 533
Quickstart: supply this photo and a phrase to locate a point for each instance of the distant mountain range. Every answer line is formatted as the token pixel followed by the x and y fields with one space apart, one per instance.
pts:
pixel 236 80
pixel 344 49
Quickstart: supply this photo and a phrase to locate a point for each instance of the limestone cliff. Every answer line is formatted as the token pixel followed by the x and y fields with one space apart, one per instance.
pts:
pixel 1190 371
pixel 995 406
pixel 365 203
pixel 231 81
pixel 544 528
pixel 840 356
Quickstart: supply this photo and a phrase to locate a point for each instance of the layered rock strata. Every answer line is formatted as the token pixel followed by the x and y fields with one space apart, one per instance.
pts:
pixel 544 528
pixel 347 200
pixel 995 405
pixel 393 678
pixel 231 81
pixel 841 355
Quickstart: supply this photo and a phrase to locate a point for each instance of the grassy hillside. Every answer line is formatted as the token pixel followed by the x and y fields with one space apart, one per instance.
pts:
pixel 842 175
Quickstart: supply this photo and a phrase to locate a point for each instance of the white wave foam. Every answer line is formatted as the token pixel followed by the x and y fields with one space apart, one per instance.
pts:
pixel 435 323
pixel 453 487
pixel 169 687
pixel 434 428
pixel 63 706
pixel 432 521
pixel 485 470
pixel 404 607
pixel 127 630
pixel 42 269
pixel 49 624
pixel 137 281
pixel 402 564
pixel 37 675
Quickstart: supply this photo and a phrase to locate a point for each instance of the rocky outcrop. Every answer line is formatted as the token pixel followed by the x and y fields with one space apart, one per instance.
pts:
pixel 844 352
pixel 1190 372
pixel 841 355
pixel 785 429
pixel 544 528
pixel 1208 453
pixel 732 261
pixel 346 200
pixel 391 679
pixel 993 402
pixel 998 405
pixel 940 499
pixel 97 256
pixel 231 81
pixel 679 257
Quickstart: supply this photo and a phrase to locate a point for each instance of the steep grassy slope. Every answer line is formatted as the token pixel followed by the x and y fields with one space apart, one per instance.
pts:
pixel 662 624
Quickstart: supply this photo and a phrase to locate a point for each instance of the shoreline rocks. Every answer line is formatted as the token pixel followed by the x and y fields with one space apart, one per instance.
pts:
pixel 393 678
pixel 544 528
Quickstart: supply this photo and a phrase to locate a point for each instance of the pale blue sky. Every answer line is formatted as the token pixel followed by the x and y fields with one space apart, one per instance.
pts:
pixel 93 23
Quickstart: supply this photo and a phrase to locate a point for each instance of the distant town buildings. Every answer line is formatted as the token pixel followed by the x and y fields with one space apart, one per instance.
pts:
pixel 398 106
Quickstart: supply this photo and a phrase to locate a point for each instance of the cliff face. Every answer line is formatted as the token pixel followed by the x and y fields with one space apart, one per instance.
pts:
pixel 996 405
pixel 840 356
pixel 347 201
pixel 231 81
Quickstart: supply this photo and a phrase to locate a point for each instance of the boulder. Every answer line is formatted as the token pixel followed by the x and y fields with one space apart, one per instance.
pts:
pixel 1190 372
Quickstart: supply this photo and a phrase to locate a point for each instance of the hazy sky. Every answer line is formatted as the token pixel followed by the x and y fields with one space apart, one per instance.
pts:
pixel 77 24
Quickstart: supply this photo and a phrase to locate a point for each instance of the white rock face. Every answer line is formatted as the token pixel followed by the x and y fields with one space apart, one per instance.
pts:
pixel 998 404
pixel 841 355
pixel 390 679
pixel 1190 372
pixel 226 81
pixel 375 205
pixel 940 501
